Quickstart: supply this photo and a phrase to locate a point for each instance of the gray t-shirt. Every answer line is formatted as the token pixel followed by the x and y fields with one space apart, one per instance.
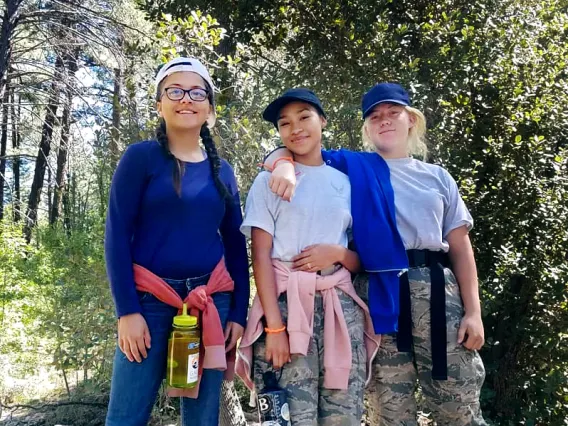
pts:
pixel 319 213
pixel 427 203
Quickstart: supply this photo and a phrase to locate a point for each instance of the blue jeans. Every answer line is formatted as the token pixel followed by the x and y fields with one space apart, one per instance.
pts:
pixel 135 386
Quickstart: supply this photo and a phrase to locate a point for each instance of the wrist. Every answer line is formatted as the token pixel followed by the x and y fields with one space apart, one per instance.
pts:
pixel 283 160
pixel 275 155
pixel 130 315
pixel 274 324
pixel 472 312
pixel 340 254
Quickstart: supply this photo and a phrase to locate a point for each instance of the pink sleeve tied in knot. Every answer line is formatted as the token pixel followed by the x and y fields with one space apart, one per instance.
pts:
pixel 200 303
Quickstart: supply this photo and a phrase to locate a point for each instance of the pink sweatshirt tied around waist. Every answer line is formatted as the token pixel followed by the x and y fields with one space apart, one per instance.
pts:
pixel 300 288
pixel 200 304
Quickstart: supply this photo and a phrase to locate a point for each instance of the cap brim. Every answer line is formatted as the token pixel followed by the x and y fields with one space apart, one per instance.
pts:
pixel 384 101
pixel 271 112
pixel 185 68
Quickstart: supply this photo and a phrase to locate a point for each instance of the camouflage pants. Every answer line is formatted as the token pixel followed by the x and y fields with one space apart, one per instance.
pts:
pixel 310 403
pixel 391 393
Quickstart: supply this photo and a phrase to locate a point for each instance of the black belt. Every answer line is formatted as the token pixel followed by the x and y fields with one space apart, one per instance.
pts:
pixel 436 261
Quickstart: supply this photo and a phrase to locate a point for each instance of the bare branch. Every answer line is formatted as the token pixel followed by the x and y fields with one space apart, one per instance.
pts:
pixel 107 18
pixel 29 17
pixel 16 52
pixel 14 156
pixel 81 36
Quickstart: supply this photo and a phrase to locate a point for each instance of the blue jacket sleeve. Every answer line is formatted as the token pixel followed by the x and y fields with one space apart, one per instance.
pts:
pixel 332 157
pixel 234 243
pixel 126 192
pixel 335 159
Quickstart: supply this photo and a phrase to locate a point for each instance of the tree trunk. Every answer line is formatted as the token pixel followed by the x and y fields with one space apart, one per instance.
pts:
pixel 16 198
pixel 66 206
pixel 66 383
pixel 231 412
pixel 43 152
pixel 134 131
pixel 227 47
pixel 3 146
pixel 69 203
pixel 59 188
pixel 4 301
pixel 116 112
pixel 9 23
pixel 49 190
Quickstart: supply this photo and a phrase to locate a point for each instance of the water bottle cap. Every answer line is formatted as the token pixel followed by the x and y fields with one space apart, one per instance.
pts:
pixel 185 320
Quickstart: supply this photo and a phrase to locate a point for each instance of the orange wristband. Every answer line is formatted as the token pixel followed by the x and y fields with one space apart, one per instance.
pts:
pixel 270 169
pixel 289 159
pixel 275 330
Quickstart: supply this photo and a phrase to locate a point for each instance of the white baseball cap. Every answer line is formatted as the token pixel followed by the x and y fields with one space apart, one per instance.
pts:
pixel 181 65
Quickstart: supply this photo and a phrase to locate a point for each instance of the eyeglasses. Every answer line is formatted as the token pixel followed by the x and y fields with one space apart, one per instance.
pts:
pixel 196 94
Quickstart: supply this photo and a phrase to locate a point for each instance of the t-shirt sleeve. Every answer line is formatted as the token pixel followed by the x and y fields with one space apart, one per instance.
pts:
pixel 456 213
pixel 259 207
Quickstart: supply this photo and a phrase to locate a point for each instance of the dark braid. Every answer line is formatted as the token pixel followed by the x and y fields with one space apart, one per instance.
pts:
pixel 214 162
pixel 179 168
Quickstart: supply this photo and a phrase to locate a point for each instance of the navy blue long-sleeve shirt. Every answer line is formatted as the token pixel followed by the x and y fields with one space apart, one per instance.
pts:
pixel 174 237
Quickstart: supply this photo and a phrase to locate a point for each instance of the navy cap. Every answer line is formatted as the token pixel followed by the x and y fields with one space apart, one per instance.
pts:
pixel 381 93
pixel 291 95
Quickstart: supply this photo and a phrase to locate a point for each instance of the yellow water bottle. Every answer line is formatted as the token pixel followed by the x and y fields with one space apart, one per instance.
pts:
pixel 183 352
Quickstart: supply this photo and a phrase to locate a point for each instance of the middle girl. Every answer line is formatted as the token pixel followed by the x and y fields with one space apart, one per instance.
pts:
pixel 306 318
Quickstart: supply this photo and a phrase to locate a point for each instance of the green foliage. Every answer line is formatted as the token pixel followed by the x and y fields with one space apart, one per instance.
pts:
pixel 17 348
pixel 491 79
pixel 76 312
pixel 196 35
pixel 57 303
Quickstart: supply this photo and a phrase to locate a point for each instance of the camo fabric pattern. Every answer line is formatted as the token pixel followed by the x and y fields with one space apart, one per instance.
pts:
pixel 310 403
pixel 391 393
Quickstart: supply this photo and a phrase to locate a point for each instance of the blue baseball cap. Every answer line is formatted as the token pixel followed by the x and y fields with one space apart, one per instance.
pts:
pixel 291 95
pixel 381 93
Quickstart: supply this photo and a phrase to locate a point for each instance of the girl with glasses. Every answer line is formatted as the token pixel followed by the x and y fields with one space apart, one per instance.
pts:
pixel 173 226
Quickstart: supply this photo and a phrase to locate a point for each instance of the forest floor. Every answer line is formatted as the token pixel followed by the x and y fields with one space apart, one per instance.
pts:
pixel 87 406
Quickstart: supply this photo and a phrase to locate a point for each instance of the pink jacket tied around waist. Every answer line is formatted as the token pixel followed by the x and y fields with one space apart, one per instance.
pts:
pixel 200 304
pixel 300 288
